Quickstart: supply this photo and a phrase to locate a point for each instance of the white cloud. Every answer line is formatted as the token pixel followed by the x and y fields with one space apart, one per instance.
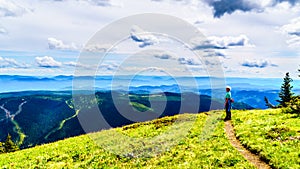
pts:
pixel 154 69
pixel 293 31
pixel 108 67
pixel 214 53
pixel 11 63
pixel 92 2
pixel 79 65
pixel 294 41
pixel 56 44
pixel 11 8
pixel 188 61
pixel 97 47
pixel 3 31
pixel 228 41
pixel 73 64
pixel 222 7
pixel 100 2
pixel 215 42
pixel 47 62
pixel 257 63
pixel 293 28
pixel 163 55
pixel 142 37
pixel 181 2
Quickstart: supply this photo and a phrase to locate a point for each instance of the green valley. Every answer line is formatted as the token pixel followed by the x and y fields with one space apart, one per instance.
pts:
pixel 38 117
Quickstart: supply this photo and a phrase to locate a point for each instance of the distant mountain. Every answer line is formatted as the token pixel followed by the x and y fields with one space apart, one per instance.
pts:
pixel 37 117
pixel 254 98
pixel 247 90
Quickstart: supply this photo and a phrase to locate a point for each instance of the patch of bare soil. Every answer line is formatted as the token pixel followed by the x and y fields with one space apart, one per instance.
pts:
pixel 253 158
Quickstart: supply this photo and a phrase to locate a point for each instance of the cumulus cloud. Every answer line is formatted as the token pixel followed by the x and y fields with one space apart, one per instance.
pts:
pixel 222 7
pixel 164 55
pixel 100 2
pixel 11 63
pixel 180 2
pixel 56 44
pixel 211 62
pixel 214 53
pixel 97 47
pixel 182 60
pixel 293 28
pixel 188 61
pixel 75 64
pixel 3 31
pixel 50 62
pixel 294 41
pixel 142 37
pixel 10 8
pixel 154 69
pixel 103 3
pixel 225 42
pixel 293 31
pixel 79 65
pixel 108 67
pixel 257 63
pixel 220 54
pixel 47 62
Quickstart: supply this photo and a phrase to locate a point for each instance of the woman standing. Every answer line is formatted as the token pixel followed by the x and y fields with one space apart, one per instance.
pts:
pixel 228 101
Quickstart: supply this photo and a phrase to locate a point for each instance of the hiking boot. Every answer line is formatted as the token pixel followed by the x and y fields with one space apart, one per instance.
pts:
pixel 227 119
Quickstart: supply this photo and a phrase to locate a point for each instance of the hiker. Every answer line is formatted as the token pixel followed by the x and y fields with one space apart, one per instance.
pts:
pixel 228 101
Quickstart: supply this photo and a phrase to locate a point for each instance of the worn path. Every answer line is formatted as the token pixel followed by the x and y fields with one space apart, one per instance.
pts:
pixel 253 158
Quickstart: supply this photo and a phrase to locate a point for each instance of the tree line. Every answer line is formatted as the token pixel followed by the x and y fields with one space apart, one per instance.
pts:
pixel 288 101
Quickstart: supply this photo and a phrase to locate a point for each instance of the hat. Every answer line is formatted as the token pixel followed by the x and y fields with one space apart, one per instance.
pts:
pixel 228 87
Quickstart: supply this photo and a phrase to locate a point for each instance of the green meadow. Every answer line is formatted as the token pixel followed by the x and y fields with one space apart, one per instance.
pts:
pixel 181 141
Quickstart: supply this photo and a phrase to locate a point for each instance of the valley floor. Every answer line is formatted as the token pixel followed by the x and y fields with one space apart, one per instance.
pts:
pixel 182 141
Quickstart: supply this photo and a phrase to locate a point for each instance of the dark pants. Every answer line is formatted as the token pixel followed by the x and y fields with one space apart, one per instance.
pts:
pixel 228 110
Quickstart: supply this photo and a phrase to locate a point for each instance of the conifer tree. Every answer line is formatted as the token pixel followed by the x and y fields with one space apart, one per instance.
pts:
pixel 9 145
pixel 268 104
pixel 285 94
pixel 2 150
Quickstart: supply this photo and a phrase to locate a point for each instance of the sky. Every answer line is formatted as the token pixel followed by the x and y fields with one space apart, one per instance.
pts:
pixel 244 38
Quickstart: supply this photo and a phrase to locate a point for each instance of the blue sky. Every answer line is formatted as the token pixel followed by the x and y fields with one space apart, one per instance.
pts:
pixel 250 38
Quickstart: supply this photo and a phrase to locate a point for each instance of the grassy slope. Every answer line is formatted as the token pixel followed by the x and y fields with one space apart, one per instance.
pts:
pixel 204 146
pixel 271 134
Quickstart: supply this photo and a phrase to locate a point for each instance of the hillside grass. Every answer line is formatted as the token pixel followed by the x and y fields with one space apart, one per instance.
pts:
pixel 181 141
pixel 273 135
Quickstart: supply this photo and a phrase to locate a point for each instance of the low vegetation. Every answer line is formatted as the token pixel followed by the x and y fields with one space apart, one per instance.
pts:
pixel 272 134
pixel 203 145
pixel 180 141
pixel 293 106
